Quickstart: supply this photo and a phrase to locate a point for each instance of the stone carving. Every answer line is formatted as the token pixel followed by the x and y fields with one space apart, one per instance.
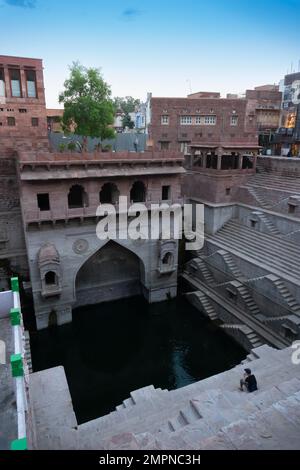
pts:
pixel 80 246
pixel 167 256
pixel 50 270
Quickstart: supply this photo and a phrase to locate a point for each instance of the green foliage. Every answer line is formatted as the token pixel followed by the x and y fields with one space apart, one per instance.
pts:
pixel 127 122
pixel 62 147
pixel 126 105
pixel 88 108
pixel 72 146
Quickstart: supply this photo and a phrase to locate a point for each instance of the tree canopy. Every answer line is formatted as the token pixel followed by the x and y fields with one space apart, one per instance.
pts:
pixel 126 105
pixel 88 107
pixel 127 122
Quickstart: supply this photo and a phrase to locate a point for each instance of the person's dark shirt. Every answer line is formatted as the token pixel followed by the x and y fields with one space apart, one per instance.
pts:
pixel 251 383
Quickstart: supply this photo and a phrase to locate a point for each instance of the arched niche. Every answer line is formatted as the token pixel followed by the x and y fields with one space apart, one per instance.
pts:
pixel 111 273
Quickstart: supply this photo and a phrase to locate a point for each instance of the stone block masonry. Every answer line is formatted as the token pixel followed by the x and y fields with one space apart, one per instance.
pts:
pixel 69 265
pixel 22 125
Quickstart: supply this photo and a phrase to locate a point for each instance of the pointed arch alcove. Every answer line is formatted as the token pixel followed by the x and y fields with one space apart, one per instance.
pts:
pixel 113 272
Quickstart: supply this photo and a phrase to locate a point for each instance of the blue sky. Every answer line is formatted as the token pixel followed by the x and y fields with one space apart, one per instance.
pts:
pixel 167 47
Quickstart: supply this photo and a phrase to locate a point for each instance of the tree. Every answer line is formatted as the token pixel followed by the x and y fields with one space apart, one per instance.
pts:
pixel 88 108
pixel 127 122
pixel 126 105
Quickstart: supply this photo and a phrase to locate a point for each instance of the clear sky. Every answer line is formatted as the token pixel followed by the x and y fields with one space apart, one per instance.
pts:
pixel 168 47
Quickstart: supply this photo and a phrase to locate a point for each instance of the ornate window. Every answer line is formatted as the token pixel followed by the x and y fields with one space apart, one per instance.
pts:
pixel 50 271
pixel 166 264
pixel 50 278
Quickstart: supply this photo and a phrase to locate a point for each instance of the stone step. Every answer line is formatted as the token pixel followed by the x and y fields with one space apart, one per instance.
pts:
pixel 246 241
pixel 253 241
pixel 128 402
pixel 290 246
pixel 190 414
pixel 286 294
pixel 261 182
pixel 241 315
pixel 272 366
pixel 256 253
pixel 267 429
pixel 266 409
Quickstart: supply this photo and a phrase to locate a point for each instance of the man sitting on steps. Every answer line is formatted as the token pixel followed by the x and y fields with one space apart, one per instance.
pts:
pixel 249 381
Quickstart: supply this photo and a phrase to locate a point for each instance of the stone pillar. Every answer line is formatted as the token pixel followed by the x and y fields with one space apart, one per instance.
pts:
pixel 219 164
pixel 220 151
pixel 240 165
pixel 204 159
pixel 7 82
pixel 192 158
pixel 254 161
pixel 23 83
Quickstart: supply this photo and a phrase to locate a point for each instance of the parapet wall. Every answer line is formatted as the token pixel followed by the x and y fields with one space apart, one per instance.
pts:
pixel 282 165
pixel 31 156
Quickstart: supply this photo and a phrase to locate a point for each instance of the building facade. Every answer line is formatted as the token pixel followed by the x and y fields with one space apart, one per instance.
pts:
pixel 55 227
pixel 22 125
pixel 265 101
pixel 287 139
pixel 212 123
pixel 69 265
pixel 22 102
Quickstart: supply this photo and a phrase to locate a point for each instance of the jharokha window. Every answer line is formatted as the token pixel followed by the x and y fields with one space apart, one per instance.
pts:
pixel 31 84
pixel 2 83
pixel 15 83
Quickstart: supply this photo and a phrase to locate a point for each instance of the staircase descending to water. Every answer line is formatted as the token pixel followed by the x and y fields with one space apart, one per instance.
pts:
pixel 209 414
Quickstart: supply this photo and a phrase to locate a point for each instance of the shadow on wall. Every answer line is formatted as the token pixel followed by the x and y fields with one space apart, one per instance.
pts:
pixel 111 273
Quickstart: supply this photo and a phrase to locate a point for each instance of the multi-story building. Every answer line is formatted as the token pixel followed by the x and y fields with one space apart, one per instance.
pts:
pixel 22 125
pixel 22 102
pixel 214 134
pixel 265 101
pixel 204 121
pixel 60 192
pixel 287 139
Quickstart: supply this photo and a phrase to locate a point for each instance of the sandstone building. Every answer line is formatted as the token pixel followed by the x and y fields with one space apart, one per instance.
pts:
pixel 22 125
pixel 287 139
pixel 245 279
pixel 59 196
pixel 205 121
pixel 265 100
pixel 69 265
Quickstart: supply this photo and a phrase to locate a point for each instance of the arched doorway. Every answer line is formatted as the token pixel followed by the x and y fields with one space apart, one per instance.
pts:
pixel 113 272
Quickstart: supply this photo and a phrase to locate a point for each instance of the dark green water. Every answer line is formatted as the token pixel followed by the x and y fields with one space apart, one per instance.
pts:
pixel 114 348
